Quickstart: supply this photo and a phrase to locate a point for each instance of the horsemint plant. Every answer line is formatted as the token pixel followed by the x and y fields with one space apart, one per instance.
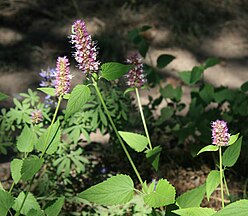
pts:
pixel 118 189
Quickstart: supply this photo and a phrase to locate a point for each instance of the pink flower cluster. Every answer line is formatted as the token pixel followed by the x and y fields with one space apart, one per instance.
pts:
pixel 220 135
pixel 86 52
pixel 135 77
pixel 36 116
pixel 63 76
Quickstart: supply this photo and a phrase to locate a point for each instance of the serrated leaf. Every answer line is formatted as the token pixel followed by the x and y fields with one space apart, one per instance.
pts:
pixel 27 140
pixel 118 189
pixel 114 70
pixel 55 208
pixel 194 211
pixel 30 167
pixel 153 156
pixel 137 142
pixel 30 203
pixel 210 62
pixel 164 60
pixel 163 195
pixel 233 139
pixel 232 153
pixel 79 96
pixel 52 141
pixel 15 167
pixel 192 198
pixel 3 96
pixel 208 148
pixel 212 182
pixel 239 208
pixel 48 91
pixel 6 202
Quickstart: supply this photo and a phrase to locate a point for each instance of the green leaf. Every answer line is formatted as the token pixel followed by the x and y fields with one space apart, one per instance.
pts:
pixel 6 201
pixel 118 189
pixel 210 62
pixel 3 96
pixel 166 113
pixel 163 195
pixel 244 87
pixel 239 208
pixel 48 91
pixel 114 70
pixel 192 198
pixel 212 182
pixel 232 153
pixel 172 93
pixel 66 96
pixel 207 93
pixel 233 139
pixel 35 212
pixel 153 156
pixel 194 211
pixel 164 60
pixel 208 148
pixel 30 167
pixel 79 96
pixel 130 89
pixel 55 208
pixel 192 77
pixel 30 203
pixel 53 140
pixel 137 142
pixel 185 76
pixel 27 140
pixel 15 167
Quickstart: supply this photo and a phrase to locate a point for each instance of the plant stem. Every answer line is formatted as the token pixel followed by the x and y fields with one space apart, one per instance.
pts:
pixel 227 191
pixel 143 118
pixel 221 181
pixel 31 182
pixel 116 131
pixel 12 186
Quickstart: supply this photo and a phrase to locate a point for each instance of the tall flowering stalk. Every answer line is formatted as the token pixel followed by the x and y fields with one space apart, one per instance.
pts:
pixel 85 49
pixel 63 77
pixel 220 137
pixel 136 79
pixel 86 56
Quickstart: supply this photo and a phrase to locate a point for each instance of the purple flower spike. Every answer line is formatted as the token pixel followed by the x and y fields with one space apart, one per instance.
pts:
pixel 36 116
pixel 135 77
pixel 48 77
pixel 86 52
pixel 63 76
pixel 220 135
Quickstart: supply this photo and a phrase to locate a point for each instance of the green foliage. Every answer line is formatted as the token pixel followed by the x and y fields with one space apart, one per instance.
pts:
pixel 55 208
pixel 192 198
pixel 118 189
pixel 160 194
pixel 6 202
pixel 212 182
pixel 30 167
pixel 232 153
pixel 164 59
pixel 153 156
pixel 240 207
pixel 30 203
pixel 208 148
pixel 16 167
pixel 50 139
pixel 48 91
pixel 233 139
pixel 114 70
pixel 137 142
pixel 79 96
pixel 3 96
pixel 27 140
pixel 194 211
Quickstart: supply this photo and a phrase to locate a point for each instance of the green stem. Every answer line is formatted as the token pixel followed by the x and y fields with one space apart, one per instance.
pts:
pixel 12 186
pixel 221 182
pixel 227 191
pixel 49 132
pixel 116 131
pixel 143 117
